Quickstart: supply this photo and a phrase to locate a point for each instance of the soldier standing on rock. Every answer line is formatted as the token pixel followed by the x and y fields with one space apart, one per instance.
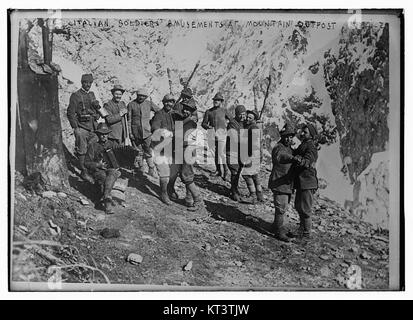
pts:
pixel 234 163
pixel 252 168
pixel 305 177
pixel 139 114
pixel 163 128
pixel 115 115
pixel 280 181
pixel 184 168
pixel 83 116
pixel 178 115
pixel 216 118
pixel 102 163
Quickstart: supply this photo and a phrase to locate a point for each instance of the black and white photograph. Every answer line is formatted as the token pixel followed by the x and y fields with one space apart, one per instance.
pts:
pixel 205 150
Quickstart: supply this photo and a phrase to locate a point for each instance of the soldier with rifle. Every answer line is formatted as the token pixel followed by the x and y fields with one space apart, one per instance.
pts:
pixel 184 168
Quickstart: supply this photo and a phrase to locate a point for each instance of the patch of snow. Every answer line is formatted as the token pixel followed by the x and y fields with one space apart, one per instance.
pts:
pixel 373 194
pixel 329 166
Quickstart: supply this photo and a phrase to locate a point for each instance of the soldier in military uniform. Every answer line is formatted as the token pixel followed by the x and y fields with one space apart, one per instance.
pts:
pixel 139 115
pixel 280 181
pixel 183 167
pixel 252 166
pixel 216 118
pixel 83 115
pixel 101 162
pixel 163 128
pixel 115 115
pixel 233 145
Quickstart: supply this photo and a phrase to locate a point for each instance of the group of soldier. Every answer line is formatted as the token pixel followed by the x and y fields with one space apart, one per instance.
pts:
pixel 162 135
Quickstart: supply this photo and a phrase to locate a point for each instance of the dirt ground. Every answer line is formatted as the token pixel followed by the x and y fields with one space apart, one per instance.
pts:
pixel 228 243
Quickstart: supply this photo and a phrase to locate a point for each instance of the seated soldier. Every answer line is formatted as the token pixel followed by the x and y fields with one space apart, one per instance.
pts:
pixel 101 162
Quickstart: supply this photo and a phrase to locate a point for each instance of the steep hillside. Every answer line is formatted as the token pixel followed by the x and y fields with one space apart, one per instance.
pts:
pixel 337 79
pixel 229 244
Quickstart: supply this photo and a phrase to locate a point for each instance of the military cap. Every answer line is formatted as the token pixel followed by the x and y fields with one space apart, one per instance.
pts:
pixel 142 92
pixel 255 113
pixel 190 104
pixel 218 96
pixel 240 109
pixel 117 87
pixel 168 97
pixel 103 128
pixel 287 130
pixel 87 77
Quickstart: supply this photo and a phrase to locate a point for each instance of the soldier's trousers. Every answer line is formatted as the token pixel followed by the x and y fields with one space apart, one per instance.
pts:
pixel 106 180
pixel 82 139
pixel 304 203
pixel 184 170
pixel 281 201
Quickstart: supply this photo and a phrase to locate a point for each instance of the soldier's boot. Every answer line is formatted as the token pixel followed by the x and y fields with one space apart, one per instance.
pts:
pixel 110 182
pixel 225 174
pixel 164 190
pixel 84 174
pixel 251 188
pixel 234 193
pixel 306 228
pixel 151 171
pixel 109 207
pixel 278 228
pixel 297 233
pixel 171 190
pixel 258 187
pixel 198 203
pixel 189 200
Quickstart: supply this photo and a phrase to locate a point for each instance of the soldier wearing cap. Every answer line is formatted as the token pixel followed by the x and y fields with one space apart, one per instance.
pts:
pixel 115 115
pixel 185 169
pixel 139 115
pixel 178 109
pixel 305 180
pixel 163 128
pixel 280 181
pixel 253 154
pixel 83 115
pixel 216 118
pixel 101 162
pixel 233 147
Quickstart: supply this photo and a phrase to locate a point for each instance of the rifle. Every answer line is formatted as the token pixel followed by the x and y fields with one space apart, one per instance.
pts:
pixel 266 96
pixel 169 80
pixel 187 82
pixel 126 130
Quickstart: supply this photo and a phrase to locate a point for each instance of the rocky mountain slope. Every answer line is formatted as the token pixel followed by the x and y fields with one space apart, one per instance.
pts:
pixel 228 245
pixel 337 79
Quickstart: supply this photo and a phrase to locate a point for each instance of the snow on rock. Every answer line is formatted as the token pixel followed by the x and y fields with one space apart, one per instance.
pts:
pixel 329 166
pixel 372 191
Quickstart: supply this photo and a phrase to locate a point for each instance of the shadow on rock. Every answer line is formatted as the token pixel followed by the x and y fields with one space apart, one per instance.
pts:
pixel 141 183
pixel 88 190
pixel 204 182
pixel 230 213
pixel 71 161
